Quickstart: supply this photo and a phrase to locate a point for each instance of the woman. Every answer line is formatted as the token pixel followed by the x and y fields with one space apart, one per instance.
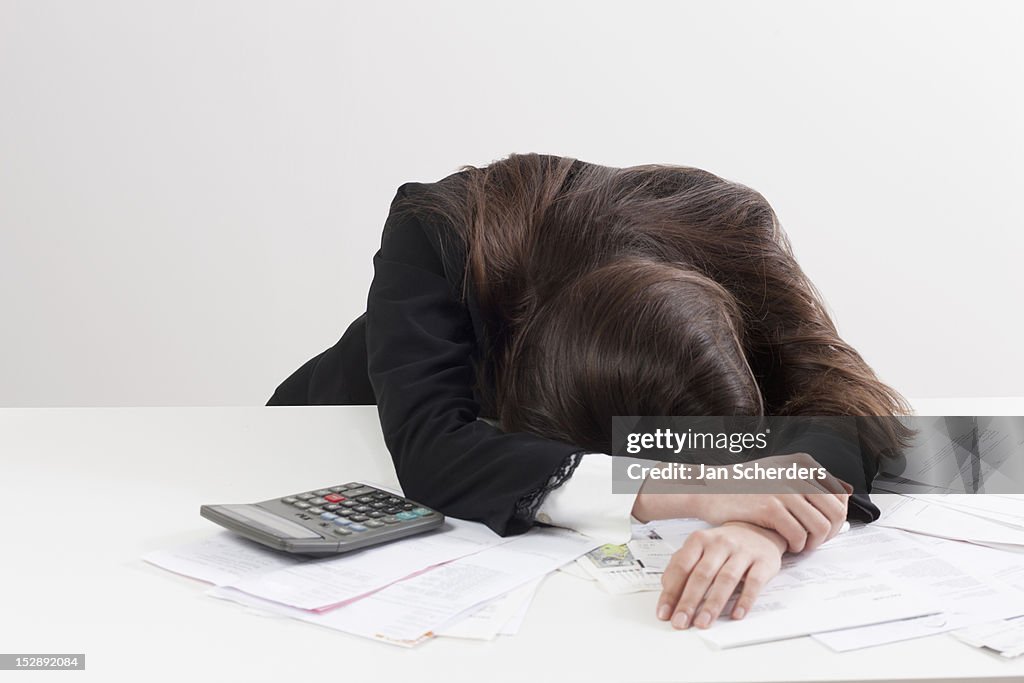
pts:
pixel 545 295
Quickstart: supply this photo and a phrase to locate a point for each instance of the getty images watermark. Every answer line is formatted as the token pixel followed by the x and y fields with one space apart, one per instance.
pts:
pixel 759 467
pixel 944 454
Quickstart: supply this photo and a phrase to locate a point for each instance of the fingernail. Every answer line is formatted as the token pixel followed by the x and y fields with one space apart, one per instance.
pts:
pixel 680 619
pixel 664 611
pixel 739 613
pixel 703 619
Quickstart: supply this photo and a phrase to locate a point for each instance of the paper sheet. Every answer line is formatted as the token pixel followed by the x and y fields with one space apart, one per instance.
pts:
pixel 1006 509
pixel 221 558
pixel 653 554
pixel 408 612
pixel 973 584
pixel 491 620
pixel 617 571
pixel 512 626
pixel 853 580
pixel 637 565
pixel 1005 637
pixel 672 531
pixel 575 570
pixel 920 516
pixel 322 583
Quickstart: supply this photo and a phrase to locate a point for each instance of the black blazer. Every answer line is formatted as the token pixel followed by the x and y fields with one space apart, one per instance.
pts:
pixel 413 354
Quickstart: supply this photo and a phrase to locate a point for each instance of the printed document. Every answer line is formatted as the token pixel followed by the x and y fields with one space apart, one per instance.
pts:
pixel 974 585
pixel 412 610
pixel 852 580
pixel 307 583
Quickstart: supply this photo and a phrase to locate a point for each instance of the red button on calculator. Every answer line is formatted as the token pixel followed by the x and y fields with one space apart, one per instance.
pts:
pixel 334 497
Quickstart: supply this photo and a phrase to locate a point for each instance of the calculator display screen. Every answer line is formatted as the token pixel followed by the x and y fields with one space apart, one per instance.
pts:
pixel 283 527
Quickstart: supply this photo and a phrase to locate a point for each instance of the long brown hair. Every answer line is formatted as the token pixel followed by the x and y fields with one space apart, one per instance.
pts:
pixel 562 256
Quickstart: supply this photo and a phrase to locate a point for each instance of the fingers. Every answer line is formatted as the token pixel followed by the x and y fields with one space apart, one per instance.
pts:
pixel 832 508
pixel 688 576
pixel 674 578
pixel 729 576
pixel 783 521
pixel 697 584
pixel 753 583
pixel 816 524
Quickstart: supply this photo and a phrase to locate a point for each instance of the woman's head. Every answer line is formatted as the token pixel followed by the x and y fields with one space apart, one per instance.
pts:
pixel 651 289
pixel 632 337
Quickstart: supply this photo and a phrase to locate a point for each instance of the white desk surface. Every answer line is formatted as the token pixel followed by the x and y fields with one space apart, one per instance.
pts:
pixel 87 491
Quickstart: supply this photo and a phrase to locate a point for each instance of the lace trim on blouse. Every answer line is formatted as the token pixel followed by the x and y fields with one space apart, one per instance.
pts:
pixel 528 505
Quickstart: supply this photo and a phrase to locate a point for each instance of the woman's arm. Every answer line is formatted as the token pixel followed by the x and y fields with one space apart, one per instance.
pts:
pixel 805 513
pixel 421 343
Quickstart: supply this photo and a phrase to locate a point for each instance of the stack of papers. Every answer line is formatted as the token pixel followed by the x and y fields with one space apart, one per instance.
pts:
pixel 462 580
pixel 995 520
pixel 932 564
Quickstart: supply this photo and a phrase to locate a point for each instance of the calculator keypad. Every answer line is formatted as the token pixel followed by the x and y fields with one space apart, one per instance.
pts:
pixel 352 509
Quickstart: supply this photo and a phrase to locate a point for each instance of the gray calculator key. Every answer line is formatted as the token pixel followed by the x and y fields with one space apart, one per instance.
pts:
pixel 390 519
pixel 318 501
pixel 350 503
pixel 342 531
pixel 301 505
pixel 337 489
pixel 373 524
pixel 315 510
pixel 289 500
pixel 331 506
pixel 358 518
pixel 375 514
pixel 305 496
pixel 322 492
pixel 362 508
pixel 364 491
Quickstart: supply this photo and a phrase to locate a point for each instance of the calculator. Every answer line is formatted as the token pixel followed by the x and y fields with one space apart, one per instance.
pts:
pixel 326 521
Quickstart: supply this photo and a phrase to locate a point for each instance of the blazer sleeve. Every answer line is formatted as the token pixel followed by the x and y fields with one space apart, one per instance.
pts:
pixel 420 346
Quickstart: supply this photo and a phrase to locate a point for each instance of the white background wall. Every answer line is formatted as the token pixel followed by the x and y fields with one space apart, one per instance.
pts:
pixel 191 191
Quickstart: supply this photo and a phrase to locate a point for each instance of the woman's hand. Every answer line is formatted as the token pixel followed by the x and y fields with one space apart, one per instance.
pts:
pixel 703 574
pixel 805 513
